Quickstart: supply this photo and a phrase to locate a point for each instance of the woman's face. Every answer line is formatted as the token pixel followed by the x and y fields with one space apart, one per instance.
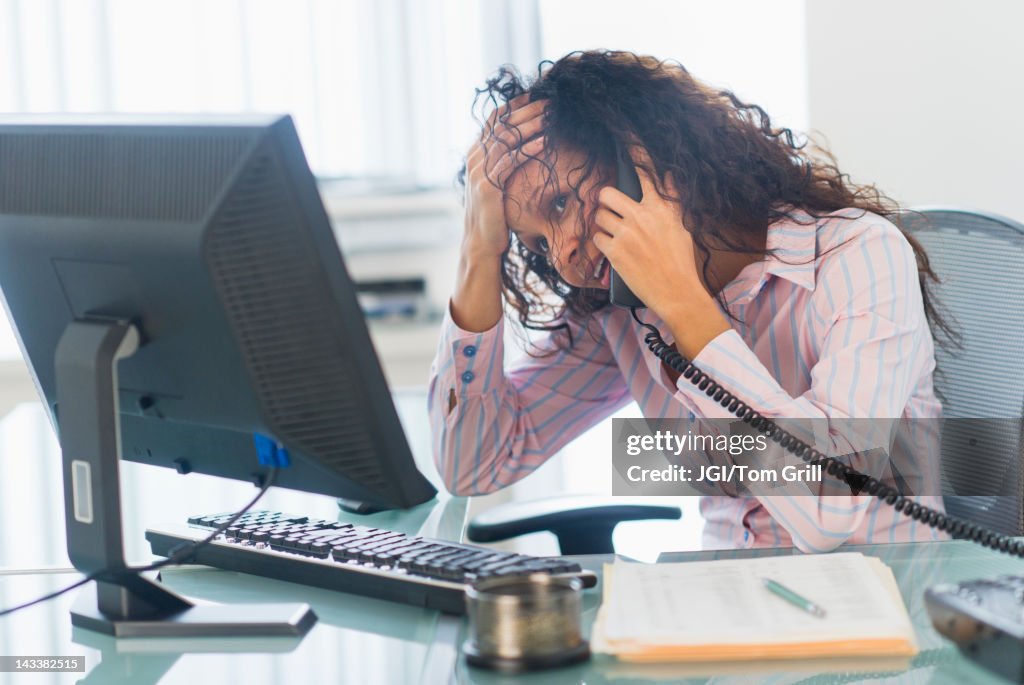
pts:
pixel 545 216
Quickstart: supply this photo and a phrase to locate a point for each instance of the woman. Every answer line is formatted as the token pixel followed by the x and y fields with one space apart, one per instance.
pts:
pixel 768 268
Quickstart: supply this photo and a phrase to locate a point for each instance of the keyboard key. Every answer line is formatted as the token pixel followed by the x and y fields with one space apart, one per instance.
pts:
pixel 459 557
pixel 452 573
pixel 423 562
pixel 365 555
pixel 391 545
pixel 377 544
pixel 477 564
pixel 350 553
pixel 321 550
pixel 495 566
pixel 408 547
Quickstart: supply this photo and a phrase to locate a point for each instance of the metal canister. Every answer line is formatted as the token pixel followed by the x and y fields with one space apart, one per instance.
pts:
pixel 524 623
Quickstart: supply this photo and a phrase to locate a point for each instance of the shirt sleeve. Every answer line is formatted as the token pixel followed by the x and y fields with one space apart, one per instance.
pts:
pixel 876 344
pixel 492 427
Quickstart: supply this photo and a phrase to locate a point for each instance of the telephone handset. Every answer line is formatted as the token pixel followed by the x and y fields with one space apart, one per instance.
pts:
pixel 629 184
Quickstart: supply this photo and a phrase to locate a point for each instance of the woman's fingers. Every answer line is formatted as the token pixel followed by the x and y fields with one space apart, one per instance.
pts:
pixel 605 244
pixel 515 158
pixel 514 134
pixel 511 114
pixel 509 138
pixel 527 112
pixel 608 221
pixel 616 200
pixel 497 172
pixel 503 110
pixel 512 143
pixel 520 125
pixel 507 128
pixel 642 161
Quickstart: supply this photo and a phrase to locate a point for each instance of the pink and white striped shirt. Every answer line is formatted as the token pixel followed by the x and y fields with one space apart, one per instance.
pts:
pixel 830 326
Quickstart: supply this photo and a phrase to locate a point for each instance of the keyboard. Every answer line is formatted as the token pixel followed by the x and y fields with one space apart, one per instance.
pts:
pixel 336 555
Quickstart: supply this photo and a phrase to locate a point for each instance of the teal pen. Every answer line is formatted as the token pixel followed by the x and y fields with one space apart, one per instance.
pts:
pixel 793 598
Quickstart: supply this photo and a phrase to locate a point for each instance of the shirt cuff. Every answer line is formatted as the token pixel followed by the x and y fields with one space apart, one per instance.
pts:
pixel 471 362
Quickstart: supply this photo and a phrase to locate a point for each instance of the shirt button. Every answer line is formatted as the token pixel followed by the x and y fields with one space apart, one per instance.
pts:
pixel 469 350
pixel 468 377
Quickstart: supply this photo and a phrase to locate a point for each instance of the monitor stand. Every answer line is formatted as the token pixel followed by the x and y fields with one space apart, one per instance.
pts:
pixel 123 602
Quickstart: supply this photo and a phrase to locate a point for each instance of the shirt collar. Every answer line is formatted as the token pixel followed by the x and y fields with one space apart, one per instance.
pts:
pixel 792 255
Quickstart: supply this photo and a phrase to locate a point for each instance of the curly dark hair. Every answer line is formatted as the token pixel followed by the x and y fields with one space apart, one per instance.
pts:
pixel 736 173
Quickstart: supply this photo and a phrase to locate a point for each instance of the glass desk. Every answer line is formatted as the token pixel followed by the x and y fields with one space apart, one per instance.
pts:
pixel 357 640
pixel 361 640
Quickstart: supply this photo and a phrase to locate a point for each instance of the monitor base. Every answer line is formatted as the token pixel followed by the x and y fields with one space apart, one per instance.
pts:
pixel 197 620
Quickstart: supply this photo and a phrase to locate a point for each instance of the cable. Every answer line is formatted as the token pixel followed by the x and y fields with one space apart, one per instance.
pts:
pixel 957 528
pixel 57 593
pixel 187 549
pixel 184 551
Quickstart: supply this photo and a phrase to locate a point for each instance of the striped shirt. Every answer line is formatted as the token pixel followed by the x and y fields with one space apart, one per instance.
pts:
pixel 830 325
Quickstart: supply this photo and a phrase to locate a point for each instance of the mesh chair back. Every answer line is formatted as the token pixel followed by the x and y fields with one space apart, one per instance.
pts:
pixel 980 260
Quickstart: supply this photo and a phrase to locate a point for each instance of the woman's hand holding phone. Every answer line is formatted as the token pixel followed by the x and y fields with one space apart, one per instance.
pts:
pixel 649 246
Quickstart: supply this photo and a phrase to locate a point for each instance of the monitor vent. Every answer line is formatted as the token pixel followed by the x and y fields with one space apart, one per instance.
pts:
pixel 278 309
pixel 93 173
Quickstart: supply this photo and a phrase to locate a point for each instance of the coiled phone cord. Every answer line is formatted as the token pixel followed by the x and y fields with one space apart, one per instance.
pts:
pixel 958 528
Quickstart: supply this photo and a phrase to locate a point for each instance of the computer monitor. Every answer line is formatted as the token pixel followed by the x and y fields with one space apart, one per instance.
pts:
pixel 198 253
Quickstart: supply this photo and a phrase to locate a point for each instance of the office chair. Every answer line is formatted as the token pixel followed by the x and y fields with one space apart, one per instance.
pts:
pixel 979 258
pixel 582 524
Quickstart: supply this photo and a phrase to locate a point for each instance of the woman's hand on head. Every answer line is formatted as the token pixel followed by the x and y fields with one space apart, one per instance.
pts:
pixel 649 246
pixel 509 138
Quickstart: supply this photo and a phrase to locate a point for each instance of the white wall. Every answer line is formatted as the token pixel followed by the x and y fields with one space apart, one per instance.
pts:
pixel 923 97
pixel 752 47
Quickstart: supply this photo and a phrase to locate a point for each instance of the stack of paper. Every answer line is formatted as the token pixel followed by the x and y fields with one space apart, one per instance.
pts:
pixel 721 611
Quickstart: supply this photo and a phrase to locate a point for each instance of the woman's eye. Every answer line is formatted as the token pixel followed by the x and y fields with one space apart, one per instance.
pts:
pixel 559 203
pixel 542 245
